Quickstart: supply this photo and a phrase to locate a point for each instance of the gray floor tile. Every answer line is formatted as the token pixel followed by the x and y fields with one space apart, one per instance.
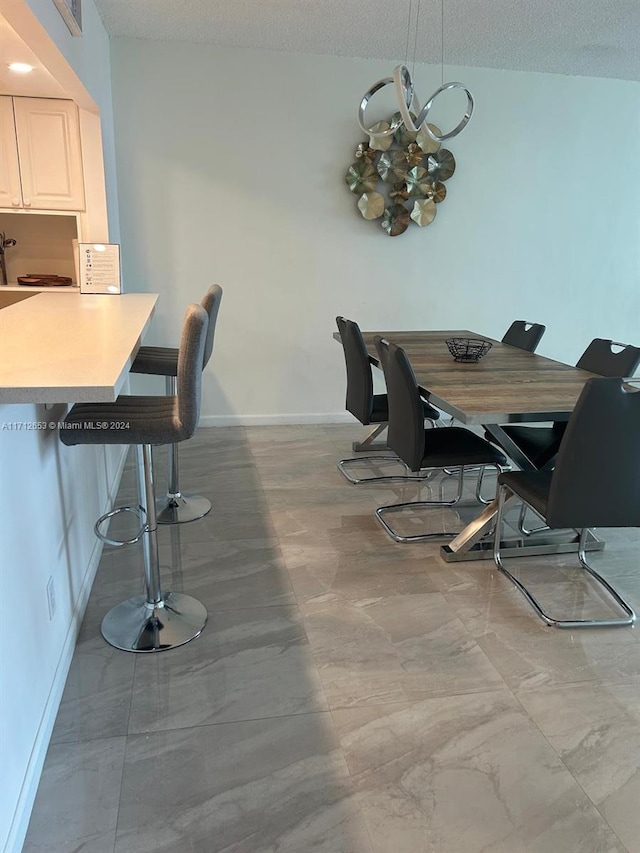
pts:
pixel 247 664
pixel 77 803
pixel 465 773
pixel 262 786
pixel 97 695
pixel 397 648
pixel 227 574
pixel 595 728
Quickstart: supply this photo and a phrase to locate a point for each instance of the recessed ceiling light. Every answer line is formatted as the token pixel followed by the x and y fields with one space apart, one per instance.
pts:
pixel 20 67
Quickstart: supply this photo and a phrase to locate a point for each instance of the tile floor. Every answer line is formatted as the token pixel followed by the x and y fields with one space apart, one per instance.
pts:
pixel 349 694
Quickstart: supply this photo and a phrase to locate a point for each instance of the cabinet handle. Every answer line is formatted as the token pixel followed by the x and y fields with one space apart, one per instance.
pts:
pixel 15 201
pixel 27 202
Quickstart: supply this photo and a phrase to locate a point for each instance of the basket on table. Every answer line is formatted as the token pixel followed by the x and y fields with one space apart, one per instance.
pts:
pixel 468 349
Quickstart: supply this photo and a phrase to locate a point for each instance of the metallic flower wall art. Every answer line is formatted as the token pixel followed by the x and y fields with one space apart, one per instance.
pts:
pixel 399 178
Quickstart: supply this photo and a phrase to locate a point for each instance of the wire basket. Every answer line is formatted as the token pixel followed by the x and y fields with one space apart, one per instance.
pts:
pixel 469 350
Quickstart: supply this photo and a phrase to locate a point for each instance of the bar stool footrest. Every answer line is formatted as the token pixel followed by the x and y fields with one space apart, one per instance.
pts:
pixel 136 625
pixel 118 543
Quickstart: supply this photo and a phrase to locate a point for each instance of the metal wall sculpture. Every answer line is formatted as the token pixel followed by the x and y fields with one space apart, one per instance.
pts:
pixel 399 177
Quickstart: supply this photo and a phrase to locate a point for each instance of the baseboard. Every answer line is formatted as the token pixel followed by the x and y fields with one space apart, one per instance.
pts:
pixel 276 420
pixel 22 814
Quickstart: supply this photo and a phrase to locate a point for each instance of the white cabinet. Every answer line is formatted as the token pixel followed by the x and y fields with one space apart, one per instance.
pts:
pixel 10 188
pixel 40 155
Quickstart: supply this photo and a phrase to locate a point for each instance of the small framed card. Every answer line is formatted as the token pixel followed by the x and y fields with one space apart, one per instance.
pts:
pixel 99 267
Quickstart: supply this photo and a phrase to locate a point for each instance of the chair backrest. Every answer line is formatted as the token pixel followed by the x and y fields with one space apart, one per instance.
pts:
pixel 524 335
pixel 601 359
pixel 189 377
pixel 405 434
pixel 596 481
pixel 211 304
pixel 359 379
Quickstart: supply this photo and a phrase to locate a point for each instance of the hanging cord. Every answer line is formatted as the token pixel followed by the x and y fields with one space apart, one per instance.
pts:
pixel 415 41
pixel 442 42
pixel 406 49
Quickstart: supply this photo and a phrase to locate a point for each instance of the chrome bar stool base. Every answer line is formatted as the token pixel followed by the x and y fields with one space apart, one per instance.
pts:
pixel 180 509
pixel 137 625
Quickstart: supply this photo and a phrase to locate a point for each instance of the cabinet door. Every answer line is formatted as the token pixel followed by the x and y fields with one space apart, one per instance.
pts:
pixel 48 136
pixel 10 194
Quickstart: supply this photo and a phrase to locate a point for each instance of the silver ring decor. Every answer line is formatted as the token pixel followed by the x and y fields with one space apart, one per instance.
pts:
pixel 377 134
pixel 407 101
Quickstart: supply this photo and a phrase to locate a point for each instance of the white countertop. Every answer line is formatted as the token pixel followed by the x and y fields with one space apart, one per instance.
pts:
pixel 77 349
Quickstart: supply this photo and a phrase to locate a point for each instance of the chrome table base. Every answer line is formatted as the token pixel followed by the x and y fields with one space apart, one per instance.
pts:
pixel 521 546
pixel 137 626
pixel 471 544
pixel 369 442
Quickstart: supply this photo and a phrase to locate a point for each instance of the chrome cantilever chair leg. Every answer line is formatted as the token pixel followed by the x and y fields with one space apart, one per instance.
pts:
pixel 382 511
pixel 422 537
pixel 344 465
pixel 628 619
pixel 524 530
pixel 479 498
pixel 175 507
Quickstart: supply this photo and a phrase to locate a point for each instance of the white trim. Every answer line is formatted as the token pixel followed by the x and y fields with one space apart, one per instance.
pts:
pixel 31 780
pixel 276 420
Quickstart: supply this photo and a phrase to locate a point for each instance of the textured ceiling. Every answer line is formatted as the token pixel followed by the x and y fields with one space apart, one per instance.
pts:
pixel 596 38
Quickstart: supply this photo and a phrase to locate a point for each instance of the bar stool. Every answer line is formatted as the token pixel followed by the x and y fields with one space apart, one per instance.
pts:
pixel 176 507
pixel 155 621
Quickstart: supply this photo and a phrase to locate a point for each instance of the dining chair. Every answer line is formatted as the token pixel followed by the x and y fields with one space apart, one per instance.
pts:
pixel 540 444
pixel 595 483
pixel 425 449
pixel 524 335
pixel 363 404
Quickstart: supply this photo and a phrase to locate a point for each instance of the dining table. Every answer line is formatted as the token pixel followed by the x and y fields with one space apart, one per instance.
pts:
pixel 507 385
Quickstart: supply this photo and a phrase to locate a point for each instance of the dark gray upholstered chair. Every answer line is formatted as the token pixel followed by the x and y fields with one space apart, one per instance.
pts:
pixel 595 482
pixel 540 444
pixel 176 507
pixel 420 449
pixel 155 621
pixel 524 335
pixel 367 407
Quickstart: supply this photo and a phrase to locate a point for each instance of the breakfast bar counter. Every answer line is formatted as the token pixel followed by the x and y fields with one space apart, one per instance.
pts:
pixel 75 348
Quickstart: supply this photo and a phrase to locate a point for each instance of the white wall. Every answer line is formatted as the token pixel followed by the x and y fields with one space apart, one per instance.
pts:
pixel 52 496
pixel 231 166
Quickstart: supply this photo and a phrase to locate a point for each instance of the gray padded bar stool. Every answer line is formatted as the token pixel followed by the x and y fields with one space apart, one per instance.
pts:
pixel 155 621
pixel 176 507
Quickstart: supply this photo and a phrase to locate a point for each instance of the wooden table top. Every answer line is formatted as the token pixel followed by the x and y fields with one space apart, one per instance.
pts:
pixel 507 385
